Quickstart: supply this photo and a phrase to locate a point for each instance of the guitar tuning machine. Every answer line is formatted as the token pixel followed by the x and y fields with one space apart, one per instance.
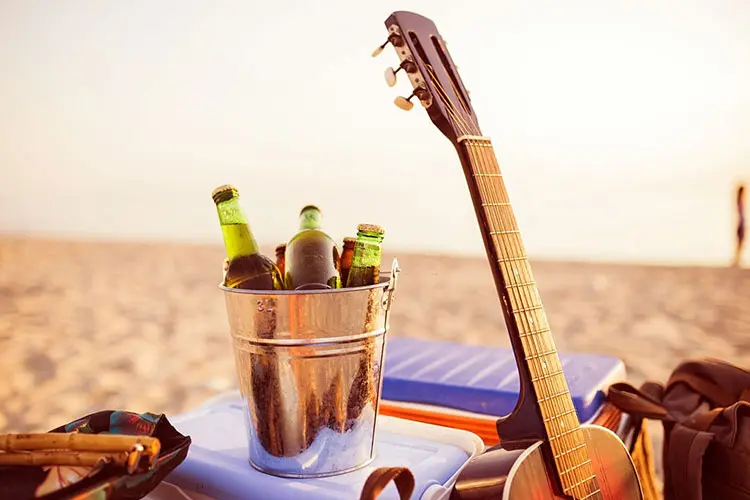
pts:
pixel 390 73
pixel 405 102
pixel 394 39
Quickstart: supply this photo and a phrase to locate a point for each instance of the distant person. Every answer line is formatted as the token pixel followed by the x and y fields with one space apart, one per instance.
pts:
pixel 740 224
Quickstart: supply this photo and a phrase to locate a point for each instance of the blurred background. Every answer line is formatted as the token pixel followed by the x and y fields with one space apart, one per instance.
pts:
pixel 622 128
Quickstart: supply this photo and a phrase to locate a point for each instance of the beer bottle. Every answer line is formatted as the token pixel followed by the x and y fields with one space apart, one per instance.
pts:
pixel 248 268
pixel 311 255
pixel 346 257
pixel 365 268
pixel 280 260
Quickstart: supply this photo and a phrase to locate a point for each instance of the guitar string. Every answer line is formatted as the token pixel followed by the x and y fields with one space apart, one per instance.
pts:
pixel 536 341
pixel 521 295
pixel 533 341
pixel 566 462
pixel 528 341
pixel 572 442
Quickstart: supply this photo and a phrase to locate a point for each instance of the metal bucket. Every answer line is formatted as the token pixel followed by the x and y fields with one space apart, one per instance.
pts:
pixel 309 368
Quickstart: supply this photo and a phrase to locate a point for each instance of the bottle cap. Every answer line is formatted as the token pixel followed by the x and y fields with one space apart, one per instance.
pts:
pixel 309 207
pixel 349 239
pixel 280 246
pixel 371 228
pixel 223 193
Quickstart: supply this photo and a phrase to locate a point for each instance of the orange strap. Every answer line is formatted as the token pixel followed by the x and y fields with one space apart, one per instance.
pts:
pixel 379 479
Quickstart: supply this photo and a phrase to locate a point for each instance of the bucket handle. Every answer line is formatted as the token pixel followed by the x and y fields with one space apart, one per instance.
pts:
pixel 391 288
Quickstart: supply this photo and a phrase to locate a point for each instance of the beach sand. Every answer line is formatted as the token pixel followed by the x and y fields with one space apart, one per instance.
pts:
pixel 142 327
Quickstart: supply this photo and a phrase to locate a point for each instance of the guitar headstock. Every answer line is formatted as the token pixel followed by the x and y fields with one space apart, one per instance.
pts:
pixel 424 58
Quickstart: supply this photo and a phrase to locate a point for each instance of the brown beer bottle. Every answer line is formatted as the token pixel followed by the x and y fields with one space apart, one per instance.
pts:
pixel 347 252
pixel 311 255
pixel 365 269
pixel 248 268
pixel 280 260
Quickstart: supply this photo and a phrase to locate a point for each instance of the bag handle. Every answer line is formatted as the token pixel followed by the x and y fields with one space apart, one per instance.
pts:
pixel 637 402
pixel 705 387
pixel 380 477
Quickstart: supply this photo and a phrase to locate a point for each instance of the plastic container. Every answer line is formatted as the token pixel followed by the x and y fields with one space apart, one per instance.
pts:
pixel 216 466
pixel 468 387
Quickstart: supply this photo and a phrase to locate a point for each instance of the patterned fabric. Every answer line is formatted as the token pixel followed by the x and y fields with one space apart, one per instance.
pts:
pixel 101 482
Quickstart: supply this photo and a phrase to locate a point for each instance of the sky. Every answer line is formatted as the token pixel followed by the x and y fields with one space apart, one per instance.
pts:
pixel 621 127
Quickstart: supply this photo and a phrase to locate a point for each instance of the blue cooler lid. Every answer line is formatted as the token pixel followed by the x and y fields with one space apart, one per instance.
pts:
pixel 484 379
pixel 217 462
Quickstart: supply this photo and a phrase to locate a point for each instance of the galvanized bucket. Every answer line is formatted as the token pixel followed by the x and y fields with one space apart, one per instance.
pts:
pixel 309 368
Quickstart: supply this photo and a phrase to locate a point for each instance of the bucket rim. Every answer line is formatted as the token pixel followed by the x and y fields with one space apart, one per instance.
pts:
pixel 385 280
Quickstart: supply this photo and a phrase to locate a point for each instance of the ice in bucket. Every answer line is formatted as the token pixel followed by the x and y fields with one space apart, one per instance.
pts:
pixel 309 368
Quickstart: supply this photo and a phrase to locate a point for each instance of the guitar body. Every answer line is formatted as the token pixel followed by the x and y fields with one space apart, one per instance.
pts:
pixel 523 474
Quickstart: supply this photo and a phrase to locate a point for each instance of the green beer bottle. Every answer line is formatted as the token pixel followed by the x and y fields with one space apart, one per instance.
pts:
pixel 365 269
pixel 311 255
pixel 248 268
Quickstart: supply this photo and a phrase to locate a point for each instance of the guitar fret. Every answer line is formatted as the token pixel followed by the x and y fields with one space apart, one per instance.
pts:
pixel 518 285
pixel 564 433
pixel 505 231
pixel 512 259
pixel 571 450
pixel 496 204
pixel 553 396
pixel 547 375
pixel 540 355
pixel 534 332
pixel 595 492
pixel 529 309
pixel 578 466
pixel 479 174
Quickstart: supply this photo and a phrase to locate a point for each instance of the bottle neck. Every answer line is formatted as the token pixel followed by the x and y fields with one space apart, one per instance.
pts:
pixel 367 249
pixel 310 219
pixel 238 239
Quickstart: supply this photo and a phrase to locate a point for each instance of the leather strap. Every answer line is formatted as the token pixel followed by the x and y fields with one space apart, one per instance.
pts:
pixel 686 449
pixel 379 479
pixel 707 388
pixel 704 420
pixel 635 402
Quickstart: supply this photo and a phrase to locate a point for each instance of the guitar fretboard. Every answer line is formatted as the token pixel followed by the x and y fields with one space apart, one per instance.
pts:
pixel 529 322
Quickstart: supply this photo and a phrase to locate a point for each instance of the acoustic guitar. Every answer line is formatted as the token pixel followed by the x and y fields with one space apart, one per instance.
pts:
pixel 545 452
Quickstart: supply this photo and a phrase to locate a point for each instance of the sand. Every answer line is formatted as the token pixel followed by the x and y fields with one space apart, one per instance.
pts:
pixel 142 327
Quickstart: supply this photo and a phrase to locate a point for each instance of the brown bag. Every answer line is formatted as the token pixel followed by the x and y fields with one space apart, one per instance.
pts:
pixel 705 410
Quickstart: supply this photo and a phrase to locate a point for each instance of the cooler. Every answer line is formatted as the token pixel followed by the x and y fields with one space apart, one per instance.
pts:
pixel 468 387
pixel 217 464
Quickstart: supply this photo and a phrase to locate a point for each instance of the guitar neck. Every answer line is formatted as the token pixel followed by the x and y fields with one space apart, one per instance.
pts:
pixel 539 365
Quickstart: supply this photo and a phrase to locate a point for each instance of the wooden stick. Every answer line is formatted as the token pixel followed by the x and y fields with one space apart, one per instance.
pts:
pixel 79 442
pixel 56 457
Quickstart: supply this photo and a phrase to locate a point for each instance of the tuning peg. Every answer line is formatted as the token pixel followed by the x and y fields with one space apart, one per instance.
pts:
pixel 393 38
pixel 376 52
pixel 390 73
pixel 404 102
pixel 390 76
